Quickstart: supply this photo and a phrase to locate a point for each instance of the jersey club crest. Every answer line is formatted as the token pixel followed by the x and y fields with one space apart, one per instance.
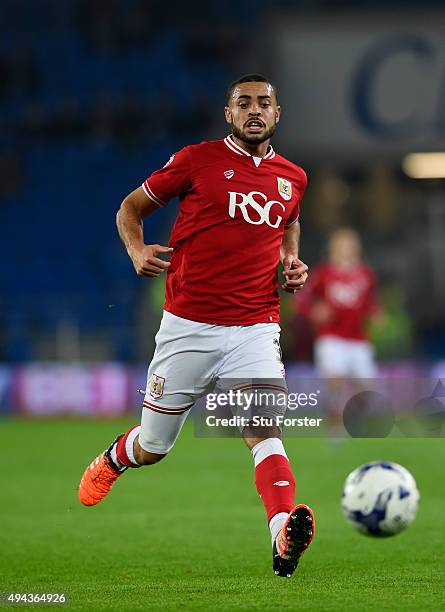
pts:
pixel 156 386
pixel 284 188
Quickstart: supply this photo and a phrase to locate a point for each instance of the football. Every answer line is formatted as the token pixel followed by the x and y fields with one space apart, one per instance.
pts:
pixel 380 498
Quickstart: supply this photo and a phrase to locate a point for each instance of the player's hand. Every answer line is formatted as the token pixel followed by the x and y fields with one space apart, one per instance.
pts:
pixel 146 262
pixel 295 272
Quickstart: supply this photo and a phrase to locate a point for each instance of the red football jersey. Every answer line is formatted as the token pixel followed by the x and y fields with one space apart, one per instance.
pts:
pixel 350 294
pixel 233 209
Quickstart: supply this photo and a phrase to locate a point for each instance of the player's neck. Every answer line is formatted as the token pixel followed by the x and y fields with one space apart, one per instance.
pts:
pixel 256 150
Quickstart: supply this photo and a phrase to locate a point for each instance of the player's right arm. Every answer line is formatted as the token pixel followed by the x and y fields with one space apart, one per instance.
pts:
pixel 157 190
pixel 130 216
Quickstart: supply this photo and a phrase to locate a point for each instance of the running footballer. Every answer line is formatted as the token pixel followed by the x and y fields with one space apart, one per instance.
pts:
pixel 239 204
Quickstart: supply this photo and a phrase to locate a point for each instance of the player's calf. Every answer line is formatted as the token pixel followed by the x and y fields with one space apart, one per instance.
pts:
pixel 143 457
pixel 291 527
pixel 274 480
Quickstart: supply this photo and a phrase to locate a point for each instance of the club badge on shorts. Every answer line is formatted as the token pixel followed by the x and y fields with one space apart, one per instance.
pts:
pixel 284 188
pixel 156 386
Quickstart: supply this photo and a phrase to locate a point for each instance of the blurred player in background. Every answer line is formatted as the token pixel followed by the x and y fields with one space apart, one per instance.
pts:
pixel 238 218
pixel 339 300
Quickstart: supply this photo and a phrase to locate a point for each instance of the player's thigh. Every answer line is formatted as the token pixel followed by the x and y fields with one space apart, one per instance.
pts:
pixel 254 352
pixel 181 371
pixel 184 362
pixel 362 360
pixel 254 366
pixel 159 430
pixel 331 357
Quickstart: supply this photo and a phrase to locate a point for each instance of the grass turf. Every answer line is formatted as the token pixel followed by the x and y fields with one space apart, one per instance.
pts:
pixel 190 533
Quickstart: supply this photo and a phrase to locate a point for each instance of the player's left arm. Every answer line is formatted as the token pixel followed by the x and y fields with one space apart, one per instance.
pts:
pixel 294 270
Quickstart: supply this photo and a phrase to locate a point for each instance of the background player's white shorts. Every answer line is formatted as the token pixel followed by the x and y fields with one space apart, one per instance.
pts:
pixel 340 357
pixel 190 359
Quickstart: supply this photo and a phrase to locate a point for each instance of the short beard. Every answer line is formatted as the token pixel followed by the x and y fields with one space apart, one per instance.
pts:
pixel 253 139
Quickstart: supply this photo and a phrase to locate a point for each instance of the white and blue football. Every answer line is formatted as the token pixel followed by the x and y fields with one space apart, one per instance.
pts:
pixel 380 498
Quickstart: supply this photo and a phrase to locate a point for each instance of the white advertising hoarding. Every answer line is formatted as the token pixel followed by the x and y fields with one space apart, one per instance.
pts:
pixel 360 87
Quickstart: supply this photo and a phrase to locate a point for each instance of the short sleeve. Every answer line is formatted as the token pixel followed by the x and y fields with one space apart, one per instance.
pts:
pixel 299 184
pixel 168 182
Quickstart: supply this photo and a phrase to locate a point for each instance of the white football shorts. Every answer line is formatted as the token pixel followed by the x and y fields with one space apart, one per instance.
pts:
pixel 190 359
pixel 336 356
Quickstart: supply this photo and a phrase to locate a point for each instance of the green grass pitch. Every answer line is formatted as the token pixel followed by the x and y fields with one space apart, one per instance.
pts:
pixel 190 533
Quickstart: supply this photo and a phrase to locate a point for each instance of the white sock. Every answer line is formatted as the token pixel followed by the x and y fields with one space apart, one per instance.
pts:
pixel 270 446
pixel 129 447
pixel 129 444
pixel 275 524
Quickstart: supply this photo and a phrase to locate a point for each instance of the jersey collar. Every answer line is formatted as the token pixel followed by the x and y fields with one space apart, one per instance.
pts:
pixel 229 142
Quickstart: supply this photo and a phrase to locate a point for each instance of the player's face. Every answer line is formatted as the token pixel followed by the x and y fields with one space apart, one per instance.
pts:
pixel 253 112
pixel 345 248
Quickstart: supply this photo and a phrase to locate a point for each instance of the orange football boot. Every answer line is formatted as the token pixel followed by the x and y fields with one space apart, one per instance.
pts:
pixel 98 479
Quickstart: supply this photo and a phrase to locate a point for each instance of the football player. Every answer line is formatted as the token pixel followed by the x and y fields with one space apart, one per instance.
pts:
pixel 239 203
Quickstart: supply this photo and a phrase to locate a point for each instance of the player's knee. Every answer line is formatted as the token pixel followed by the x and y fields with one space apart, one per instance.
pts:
pixel 253 435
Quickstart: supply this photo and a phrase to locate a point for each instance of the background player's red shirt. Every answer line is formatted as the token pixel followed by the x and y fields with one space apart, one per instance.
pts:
pixel 227 236
pixel 350 294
